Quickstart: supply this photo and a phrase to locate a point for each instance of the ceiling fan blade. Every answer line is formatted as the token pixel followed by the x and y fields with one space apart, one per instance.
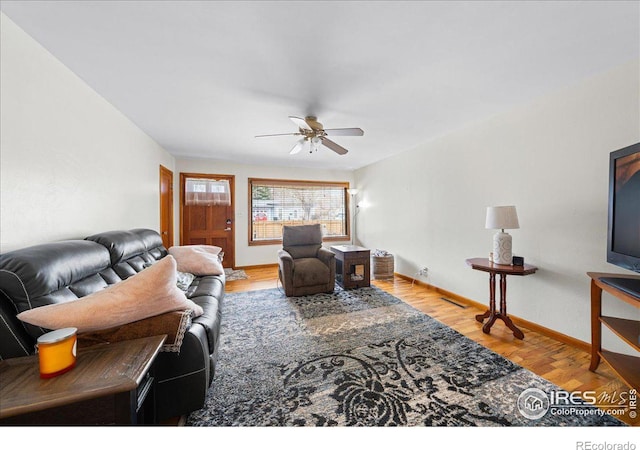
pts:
pixel 344 131
pixel 281 134
pixel 301 123
pixel 333 146
pixel 296 148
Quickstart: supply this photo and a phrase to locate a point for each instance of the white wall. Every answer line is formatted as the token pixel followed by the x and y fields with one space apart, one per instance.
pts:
pixel 71 164
pixel 257 254
pixel 427 206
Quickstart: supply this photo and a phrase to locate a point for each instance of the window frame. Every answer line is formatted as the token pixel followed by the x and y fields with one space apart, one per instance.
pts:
pixel 344 185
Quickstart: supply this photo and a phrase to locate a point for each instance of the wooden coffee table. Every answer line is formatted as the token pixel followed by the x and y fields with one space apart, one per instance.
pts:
pixel 110 384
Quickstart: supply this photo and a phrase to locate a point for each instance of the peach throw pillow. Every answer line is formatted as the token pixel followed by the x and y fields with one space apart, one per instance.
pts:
pixel 148 293
pixel 199 260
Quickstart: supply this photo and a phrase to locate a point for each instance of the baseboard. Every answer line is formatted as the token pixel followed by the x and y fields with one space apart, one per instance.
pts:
pixel 517 320
pixel 259 266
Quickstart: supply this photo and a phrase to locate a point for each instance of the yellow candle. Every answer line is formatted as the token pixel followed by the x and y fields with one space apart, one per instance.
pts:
pixel 57 352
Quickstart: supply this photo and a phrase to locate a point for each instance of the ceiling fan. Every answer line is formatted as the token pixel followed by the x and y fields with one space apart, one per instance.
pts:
pixel 313 132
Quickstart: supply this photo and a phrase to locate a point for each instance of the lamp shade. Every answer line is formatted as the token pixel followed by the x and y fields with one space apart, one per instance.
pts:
pixel 502 217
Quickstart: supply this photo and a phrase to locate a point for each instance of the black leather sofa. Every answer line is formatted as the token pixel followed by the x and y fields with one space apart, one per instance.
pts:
pixel 67 270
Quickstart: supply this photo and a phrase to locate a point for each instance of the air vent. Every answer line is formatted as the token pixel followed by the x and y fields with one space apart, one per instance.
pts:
pixel 453 303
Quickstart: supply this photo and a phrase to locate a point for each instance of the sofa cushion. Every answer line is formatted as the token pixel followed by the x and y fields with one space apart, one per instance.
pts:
pixel 121 244
pixel 149 293
pixel 303 251
pixel 302 241
pixel 301 235
pixel 29 275
pixel 208 292
pixel 152 241
pixel 309 272
pixel 208 285
pixel 150 238
pixel 200 260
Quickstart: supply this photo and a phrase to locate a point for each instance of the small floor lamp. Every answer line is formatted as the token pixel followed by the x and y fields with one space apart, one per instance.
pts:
pixel 502 218
pixel 354 210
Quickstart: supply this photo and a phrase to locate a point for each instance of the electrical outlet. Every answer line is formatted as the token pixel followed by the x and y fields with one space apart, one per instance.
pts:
pixel 424 271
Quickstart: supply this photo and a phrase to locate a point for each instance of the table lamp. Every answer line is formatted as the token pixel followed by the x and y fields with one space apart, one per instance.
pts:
pixel 502 218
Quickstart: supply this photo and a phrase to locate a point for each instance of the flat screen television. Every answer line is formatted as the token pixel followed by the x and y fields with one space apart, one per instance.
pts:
pixel 623 239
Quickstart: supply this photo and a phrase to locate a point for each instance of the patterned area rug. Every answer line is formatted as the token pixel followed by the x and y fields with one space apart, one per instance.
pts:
pixel 359 357
pixel 231 275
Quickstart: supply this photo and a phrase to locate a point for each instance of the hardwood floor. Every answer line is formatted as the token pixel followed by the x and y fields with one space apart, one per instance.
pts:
pixel 560 363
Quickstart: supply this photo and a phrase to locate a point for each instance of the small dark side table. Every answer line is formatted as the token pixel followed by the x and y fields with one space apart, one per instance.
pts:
pixel 484 265
pixel 110 384
pixel 353 269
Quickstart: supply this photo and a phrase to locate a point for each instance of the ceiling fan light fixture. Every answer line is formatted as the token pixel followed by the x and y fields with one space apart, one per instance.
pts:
pixel 315 143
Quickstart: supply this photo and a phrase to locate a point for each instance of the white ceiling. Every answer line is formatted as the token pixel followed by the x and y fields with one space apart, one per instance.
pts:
pixel 204 77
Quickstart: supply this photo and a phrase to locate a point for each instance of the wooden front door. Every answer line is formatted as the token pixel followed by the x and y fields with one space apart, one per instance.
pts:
pixel 166 206
pixel 209 225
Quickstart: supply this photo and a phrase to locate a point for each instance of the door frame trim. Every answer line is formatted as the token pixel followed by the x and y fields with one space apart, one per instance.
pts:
pixel 165 170
pixel 232 183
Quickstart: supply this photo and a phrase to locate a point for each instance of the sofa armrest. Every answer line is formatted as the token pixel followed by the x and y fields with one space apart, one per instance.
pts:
pixel 285 270
pixel 326 256
pixel 329 258
pixel 285 261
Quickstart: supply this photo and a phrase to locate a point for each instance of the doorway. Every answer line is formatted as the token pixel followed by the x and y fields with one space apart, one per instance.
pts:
pixel 209 224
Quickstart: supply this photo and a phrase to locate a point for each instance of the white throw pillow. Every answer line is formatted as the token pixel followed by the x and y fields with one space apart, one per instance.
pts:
pixel 199 260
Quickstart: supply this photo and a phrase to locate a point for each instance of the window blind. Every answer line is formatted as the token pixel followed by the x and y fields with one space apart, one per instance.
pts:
pixel 275 203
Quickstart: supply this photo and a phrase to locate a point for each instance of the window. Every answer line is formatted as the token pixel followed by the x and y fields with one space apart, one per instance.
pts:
pixel 274 203
pixel 203 191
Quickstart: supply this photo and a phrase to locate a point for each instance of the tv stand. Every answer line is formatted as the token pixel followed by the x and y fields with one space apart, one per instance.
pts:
pixel 630 286
pixel 625 366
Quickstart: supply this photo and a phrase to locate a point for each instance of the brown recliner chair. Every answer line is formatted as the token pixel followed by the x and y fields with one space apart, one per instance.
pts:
pixel 305 267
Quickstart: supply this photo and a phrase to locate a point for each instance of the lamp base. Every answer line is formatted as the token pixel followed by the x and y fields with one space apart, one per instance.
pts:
pixel 502 248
